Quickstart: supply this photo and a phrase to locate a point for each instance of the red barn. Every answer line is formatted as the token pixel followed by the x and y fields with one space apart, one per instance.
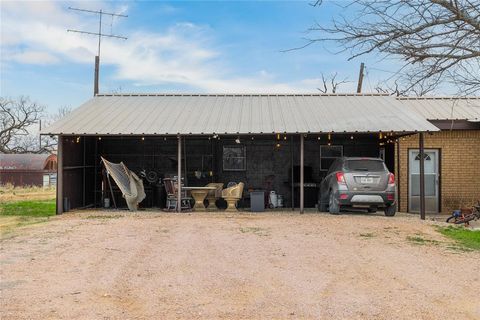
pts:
pixel 28 169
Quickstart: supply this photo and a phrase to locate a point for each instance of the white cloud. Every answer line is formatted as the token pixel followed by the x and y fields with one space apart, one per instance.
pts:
pixel 184 54
pixel 34 57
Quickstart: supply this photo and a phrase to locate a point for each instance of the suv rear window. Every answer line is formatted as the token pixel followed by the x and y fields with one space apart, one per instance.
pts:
pixel 365 165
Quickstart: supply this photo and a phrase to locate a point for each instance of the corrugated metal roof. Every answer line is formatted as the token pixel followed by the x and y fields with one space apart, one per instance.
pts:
pixel 24 161
pixel 445 108
pixel 145 114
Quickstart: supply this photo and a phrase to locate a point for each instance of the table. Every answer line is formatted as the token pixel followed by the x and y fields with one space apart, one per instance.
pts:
pixel 199 194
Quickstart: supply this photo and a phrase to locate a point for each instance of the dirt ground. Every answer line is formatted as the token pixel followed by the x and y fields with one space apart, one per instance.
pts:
pixel 93 265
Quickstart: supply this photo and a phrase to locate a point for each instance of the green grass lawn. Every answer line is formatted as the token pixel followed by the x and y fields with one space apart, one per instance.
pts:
pixel 17 214
pixel 29 208
pixel 466 238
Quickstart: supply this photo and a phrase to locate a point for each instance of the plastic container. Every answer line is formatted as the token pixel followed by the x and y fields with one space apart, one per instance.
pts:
pixel 273 199
pixel 257 201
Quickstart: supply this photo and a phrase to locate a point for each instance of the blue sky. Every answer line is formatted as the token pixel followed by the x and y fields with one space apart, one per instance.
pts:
pixel 173 46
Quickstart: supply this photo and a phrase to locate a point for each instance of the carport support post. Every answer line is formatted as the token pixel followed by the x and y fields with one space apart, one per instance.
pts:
pixel 179 174
pixel 422 175
pixel 302 196
pixel 60 175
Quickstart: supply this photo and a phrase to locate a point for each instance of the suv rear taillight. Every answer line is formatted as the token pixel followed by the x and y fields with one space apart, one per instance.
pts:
pixel 340 177
pixel 391 178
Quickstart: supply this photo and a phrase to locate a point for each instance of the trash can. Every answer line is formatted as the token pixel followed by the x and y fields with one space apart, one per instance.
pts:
pixel 257 201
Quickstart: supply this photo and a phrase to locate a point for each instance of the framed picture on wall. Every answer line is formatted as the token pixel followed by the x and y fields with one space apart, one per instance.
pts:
pixel 234 158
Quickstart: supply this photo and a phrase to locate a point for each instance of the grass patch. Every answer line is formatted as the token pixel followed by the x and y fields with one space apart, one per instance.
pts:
pixel 255 230
pixel 9 193
pixel 421 240
pixel 29 208
pixel 8 224
pixel 102 217
pixel 464 238
pixel 367 235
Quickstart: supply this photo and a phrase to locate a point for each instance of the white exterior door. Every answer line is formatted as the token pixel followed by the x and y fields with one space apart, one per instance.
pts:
pixel 431 180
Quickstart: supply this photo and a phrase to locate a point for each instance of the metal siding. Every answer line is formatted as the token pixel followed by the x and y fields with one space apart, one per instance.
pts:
pixel 232 114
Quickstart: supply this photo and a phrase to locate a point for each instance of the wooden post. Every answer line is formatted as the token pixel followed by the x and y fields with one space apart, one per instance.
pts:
pixel 360 78
pixel 96 76
pixel 60 175
pixel 179 175
pixel 302 195
pixel 422 175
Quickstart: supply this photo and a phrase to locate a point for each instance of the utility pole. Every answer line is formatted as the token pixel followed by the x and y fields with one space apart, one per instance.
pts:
pixel 100 35
pixel 360 78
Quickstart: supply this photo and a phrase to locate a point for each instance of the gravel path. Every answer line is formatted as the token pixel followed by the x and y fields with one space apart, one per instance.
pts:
pixel 281 266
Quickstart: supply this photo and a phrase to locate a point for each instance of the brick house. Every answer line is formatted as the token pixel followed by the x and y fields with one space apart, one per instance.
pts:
pixel 452 156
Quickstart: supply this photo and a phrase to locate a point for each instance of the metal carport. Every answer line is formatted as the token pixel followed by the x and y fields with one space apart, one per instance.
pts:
pixel 226 115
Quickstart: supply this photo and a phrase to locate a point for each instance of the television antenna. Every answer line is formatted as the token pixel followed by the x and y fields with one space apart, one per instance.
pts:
pixel 100 35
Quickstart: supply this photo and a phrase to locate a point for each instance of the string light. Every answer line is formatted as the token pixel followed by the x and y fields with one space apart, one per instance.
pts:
pixel 99 138
pixel 78 139
pixel 380 135
pixel 278 136
pixel 351 137
pixel 285 138
pixel 318 138
pixel 143 138
pixel 329 136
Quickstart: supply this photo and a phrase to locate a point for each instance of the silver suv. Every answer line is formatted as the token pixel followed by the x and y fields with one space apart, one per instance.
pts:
pixel 359 183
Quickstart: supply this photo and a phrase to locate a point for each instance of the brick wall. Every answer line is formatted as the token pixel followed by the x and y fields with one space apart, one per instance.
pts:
pixel 459 167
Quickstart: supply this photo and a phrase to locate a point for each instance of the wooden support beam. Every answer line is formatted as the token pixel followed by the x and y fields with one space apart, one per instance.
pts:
pixel 422 175
pixel 302 178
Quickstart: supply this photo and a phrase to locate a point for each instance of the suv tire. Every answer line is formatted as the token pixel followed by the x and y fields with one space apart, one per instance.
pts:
pixel 333 205
pixel 390 210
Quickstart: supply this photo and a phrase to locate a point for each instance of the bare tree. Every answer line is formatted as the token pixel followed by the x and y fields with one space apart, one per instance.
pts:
pixel 16 118
pixel 438 40
pixel 332 83
pixel 60 114
pixel 19 118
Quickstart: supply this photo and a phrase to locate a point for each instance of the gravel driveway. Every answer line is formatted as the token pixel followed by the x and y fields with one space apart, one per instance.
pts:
pixel 283 266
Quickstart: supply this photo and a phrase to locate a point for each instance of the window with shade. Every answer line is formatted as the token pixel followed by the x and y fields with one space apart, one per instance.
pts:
pixel 328 154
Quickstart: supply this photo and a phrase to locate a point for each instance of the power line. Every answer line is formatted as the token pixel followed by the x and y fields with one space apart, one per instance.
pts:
pixel 100 35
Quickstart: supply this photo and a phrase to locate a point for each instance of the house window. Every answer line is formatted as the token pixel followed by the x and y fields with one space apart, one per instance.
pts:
pixel 328 154
pixel 234 158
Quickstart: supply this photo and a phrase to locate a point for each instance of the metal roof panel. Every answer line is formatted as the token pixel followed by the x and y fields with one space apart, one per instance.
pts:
pixel 240 113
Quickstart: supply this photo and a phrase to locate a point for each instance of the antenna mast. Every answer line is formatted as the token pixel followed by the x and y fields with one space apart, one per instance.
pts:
pixel 100 35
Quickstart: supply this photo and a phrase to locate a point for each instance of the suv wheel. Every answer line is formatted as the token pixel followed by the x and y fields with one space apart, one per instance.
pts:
pixel 333 205
pixel 322 206
pixel 391 210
